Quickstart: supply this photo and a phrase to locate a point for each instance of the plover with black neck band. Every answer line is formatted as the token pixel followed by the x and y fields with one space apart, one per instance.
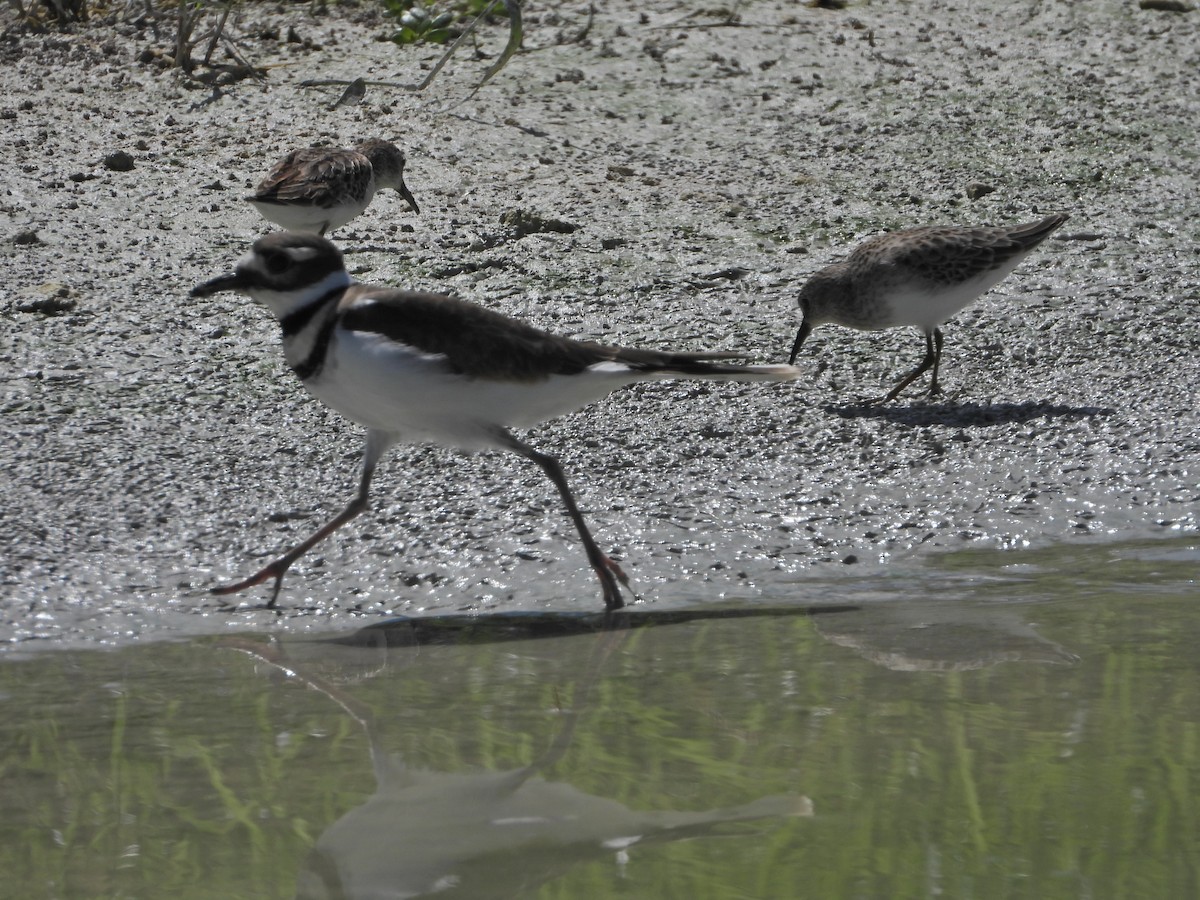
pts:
pixel 420 367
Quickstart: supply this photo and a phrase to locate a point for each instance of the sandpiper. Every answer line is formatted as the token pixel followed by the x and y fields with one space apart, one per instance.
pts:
pixel 317 189
pixel 920 277
pixel 419 367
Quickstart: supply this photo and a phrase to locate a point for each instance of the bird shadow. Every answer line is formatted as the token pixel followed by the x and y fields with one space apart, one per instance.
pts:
pixel 501 627
pixel 963 415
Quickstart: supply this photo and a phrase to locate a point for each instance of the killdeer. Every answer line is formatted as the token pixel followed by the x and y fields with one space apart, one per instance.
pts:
pixel 317 189
pixel 420 367
pixel 920 277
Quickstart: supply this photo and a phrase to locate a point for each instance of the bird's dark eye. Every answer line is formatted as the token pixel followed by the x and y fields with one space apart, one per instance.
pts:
pixel 276 262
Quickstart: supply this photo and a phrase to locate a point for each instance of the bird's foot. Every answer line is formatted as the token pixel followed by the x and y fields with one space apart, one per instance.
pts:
pixel 611 573
pixel 275 570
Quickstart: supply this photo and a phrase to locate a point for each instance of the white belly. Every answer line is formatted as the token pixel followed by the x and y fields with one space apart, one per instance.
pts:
pixel 396 389
pixel 927 306
pixel 311 219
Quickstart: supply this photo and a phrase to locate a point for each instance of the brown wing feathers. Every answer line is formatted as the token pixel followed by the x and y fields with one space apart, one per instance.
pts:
pixel 303 175
pixel 950 254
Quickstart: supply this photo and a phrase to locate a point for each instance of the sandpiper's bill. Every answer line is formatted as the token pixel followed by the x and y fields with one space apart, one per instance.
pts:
pixel 317 189
pixel 417 367
pixel 919 277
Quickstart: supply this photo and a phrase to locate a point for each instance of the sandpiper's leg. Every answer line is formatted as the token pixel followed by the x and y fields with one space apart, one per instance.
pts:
pixel 934 387
pixel 931 358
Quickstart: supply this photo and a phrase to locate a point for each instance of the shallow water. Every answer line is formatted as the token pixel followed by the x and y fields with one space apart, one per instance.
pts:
pixel 996 725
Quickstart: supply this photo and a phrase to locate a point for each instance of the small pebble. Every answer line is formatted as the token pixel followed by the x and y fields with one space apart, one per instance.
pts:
pixel 119 161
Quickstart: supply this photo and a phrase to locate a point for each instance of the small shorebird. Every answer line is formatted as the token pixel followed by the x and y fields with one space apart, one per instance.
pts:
pixel 920 277
pixel 317 189
pixel 416 367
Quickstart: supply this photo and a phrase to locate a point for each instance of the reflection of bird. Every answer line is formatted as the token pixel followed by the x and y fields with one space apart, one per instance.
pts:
pixel 493 835
pixel 318 189
pixel 418 367
pixel 921 277
pixel 465 831
pixel 934 635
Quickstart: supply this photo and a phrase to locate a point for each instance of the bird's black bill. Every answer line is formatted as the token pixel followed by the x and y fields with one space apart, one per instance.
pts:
pixel 234 281
pixel 805 328
pixel 404 192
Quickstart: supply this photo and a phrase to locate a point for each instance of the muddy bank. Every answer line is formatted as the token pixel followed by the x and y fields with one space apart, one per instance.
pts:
pixel 155 446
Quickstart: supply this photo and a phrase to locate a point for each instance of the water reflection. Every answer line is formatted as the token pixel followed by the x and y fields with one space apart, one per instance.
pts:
pixel 499 834
pixel 941 635
pixel 566 756
pixel 491 834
